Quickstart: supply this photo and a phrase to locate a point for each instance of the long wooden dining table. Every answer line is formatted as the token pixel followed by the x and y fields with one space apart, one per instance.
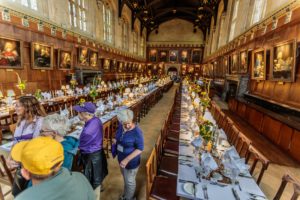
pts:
pixel 188 165
pixel 109 116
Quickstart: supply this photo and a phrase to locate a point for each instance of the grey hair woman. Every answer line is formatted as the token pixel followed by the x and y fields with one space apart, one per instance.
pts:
pixel 57 127
pixel 130 144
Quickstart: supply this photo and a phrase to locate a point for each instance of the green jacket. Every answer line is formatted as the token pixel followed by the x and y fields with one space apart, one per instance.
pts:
pixel 65 185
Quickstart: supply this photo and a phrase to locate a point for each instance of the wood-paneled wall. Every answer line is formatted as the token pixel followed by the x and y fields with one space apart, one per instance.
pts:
pixel 44 79
pixel 278 92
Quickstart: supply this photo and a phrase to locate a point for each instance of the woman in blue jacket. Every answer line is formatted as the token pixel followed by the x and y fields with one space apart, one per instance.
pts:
pixel 130 144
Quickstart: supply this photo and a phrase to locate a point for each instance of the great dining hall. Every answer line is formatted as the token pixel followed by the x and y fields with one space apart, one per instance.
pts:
pixel 149 99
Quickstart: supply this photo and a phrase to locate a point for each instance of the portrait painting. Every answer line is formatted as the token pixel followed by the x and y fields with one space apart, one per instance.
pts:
pixel 83 56
pixel 120 67
pixel 183 69
pixel 258 71
pixel 191 69
pixel 225 65
pixel 106 65
pixel 234 63
pixel 283 61
pixel 140 69
pixel 153 55
pixel 184 56
pixel 243 62
pixel 65 58
pixel 196 56
pixel 94 59
pixel 10 53
pixel 113 65
pixel 42 56
pixel 129 68
pixel 173 55
pixel 125 65
pixel 163 56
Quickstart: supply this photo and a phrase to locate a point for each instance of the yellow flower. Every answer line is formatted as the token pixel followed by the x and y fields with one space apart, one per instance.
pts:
pixel 81 101
pixel 203 93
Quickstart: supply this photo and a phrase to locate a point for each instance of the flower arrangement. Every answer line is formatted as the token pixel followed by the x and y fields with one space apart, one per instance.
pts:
pixel 38 94
pixel 206 130
pixel 21 84
pixel 121 89
pixel 205 100
pixel 93 91
pixel 73 83
pixel 81 102
pixel 195 88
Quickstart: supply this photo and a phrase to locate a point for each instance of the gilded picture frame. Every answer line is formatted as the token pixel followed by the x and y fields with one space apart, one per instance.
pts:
pixel 41 56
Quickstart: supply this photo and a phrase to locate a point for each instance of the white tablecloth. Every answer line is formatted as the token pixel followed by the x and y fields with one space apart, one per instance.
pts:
pixel 187 165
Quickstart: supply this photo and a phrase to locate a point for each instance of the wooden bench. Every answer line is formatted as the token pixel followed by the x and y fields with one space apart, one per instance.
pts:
pixel 278 141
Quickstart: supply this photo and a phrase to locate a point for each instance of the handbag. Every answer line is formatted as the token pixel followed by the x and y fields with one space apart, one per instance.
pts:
pixel 114 150
pixel 20 183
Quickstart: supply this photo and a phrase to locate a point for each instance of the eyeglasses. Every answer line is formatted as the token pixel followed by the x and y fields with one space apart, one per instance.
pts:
pixel 45 133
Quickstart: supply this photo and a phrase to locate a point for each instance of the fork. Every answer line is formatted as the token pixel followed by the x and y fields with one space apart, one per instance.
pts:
pixel 204 188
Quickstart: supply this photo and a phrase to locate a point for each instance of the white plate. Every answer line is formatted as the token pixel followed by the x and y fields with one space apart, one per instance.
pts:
pixel 188 188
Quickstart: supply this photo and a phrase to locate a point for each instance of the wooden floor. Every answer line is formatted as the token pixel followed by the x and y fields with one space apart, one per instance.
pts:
pixel 151 126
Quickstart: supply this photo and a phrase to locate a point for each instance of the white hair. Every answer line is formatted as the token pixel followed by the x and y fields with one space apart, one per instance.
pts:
pixel 57 123
pixel 125 115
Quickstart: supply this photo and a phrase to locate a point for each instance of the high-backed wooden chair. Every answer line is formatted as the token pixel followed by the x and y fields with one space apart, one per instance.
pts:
pixel 1 194
pixel 233 134
pixel 242 144
pixel 257 157
pixel 170 147
pixel 167 165
pixel 107 137
pixel 287 178
pixel 6 175
pixel 156 185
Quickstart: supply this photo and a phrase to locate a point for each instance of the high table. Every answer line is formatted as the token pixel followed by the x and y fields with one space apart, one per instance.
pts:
pixel 247 188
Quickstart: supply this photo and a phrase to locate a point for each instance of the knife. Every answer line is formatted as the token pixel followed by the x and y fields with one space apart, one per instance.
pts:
pixel 194 185
pixel 235 194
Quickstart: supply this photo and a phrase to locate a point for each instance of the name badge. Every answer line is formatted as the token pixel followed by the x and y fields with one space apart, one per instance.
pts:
pixel 120 148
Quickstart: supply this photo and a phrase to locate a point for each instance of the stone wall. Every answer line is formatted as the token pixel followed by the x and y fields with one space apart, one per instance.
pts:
pixel 176 30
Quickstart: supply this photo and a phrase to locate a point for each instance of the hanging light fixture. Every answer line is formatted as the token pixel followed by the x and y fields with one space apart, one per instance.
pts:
pixel 174 11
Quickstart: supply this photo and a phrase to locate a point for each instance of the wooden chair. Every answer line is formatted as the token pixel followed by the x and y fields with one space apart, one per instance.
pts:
pixel 257 157
pixel 242 144
pixel 1 194
pixel 228 125
pixel 106 137
pixel 6 174
pixel 167 165
pixel 233 134
pixel 287 178
pixel 156 185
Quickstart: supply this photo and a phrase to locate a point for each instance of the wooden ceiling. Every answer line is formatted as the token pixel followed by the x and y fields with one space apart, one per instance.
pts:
pixel 154 12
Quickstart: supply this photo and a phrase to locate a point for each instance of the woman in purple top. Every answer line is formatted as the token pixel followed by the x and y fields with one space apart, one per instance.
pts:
pixel 30 117
pixel 92 155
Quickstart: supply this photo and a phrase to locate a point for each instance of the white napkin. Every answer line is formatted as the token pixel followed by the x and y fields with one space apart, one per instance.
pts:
pixel 208 161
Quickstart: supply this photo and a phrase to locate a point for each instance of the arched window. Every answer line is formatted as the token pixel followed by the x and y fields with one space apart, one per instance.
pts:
pixel 77 10
pixel 142 53
pixel 234 19
pixel 135 42
pixel 124 34
pixel 32 4
pixel 107 23
pixel 258 11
